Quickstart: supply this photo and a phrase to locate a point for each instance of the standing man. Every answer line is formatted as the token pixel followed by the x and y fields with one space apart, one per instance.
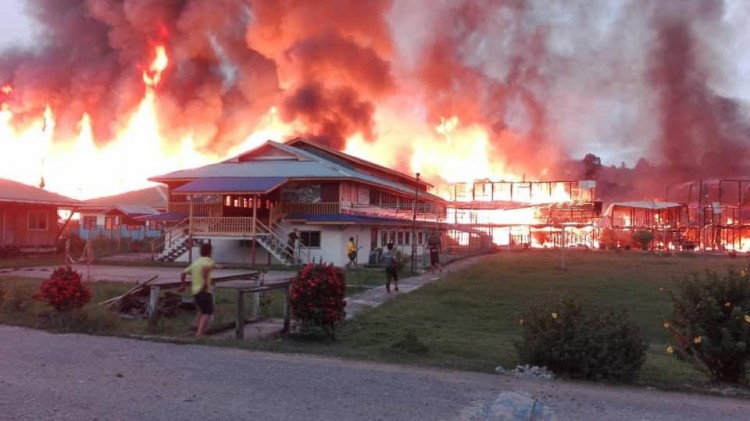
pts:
pixel 291 243
pixel 201 286
pixel 390 262
pixel 433 243
pixel 351 252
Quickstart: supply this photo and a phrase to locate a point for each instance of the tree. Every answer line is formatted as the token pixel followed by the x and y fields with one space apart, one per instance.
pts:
pixel 591 166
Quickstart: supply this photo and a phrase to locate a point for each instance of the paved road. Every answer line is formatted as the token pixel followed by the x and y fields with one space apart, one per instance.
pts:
pixel 62 377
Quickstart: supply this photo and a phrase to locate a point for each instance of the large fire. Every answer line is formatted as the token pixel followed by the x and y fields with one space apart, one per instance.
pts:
pixel 82 168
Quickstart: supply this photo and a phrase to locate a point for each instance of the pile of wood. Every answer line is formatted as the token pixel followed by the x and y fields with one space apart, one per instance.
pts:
pixel 135 302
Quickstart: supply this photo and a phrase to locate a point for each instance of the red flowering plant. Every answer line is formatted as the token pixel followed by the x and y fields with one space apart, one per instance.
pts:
pixel 317 298
pixel 64 290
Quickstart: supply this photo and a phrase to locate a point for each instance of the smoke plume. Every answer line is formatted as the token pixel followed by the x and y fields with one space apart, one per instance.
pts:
pixel 547 80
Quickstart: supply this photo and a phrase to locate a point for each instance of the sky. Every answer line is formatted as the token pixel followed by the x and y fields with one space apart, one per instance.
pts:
pixel 15 27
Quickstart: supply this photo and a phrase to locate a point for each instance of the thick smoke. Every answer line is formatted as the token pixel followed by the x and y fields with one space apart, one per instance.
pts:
pixel 549 80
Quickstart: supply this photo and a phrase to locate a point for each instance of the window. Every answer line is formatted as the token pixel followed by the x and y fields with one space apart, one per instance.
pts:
pixel 310 238
pixel 134 227
pixel 400 241
pixel 110 222
pixel 89 222
pixel 155 225
pixel 38 220
pixel 420 238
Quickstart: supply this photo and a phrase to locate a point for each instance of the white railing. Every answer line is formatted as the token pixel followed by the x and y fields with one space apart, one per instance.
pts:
pixel 222 226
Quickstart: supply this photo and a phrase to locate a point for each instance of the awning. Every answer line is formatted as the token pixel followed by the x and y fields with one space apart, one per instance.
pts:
pixel 347 219
pixel 231 185
pixel 167 216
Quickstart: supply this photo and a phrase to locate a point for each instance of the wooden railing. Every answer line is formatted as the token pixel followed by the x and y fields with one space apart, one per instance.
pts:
pixel 210 209
pixel 223 226
pixel 322 208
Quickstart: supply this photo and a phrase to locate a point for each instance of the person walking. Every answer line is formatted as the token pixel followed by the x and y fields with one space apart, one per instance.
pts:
pixel 201 286
pixel 390 262
pixel 351 252
pixel 433 243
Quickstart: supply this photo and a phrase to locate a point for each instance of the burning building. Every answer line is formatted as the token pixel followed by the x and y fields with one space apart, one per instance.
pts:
pixel 112 93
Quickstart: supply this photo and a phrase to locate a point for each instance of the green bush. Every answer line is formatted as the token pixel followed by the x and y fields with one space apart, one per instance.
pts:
pixel 710 323
pixel 93 320
pixel 563 337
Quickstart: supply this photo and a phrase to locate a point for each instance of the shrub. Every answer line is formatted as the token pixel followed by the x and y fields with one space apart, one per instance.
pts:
pixel 317 298
pixel 64 290
pixel 559 335
pixel 95 319
pixel 710 323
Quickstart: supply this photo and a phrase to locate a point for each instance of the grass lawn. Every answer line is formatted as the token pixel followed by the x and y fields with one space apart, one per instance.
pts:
pixel 469 319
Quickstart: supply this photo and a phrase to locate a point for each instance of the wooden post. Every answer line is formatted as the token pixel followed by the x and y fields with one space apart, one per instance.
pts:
pixel 287 309
pixel 239 328
pixel 153 302
pixel 255 217
pixel 190 230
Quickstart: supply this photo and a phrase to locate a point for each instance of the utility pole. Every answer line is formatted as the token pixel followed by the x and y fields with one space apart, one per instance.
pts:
pixel 414 229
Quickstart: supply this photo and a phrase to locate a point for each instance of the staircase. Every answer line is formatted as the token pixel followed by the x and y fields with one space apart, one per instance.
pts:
pixel 177 245
pixel 276 244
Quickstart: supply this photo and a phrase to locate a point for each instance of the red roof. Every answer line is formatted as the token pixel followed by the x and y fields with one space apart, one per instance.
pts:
pixel 15 192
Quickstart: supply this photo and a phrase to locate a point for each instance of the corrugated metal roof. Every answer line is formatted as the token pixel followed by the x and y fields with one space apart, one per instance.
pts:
pixel 168 216
pixel 643 204
pixel 132 210
pixel 15 192
pixel 155 197
pixel 312 167
pixel 231 185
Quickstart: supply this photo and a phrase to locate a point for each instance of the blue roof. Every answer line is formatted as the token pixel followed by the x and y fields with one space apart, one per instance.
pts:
pixel 167 216
pixel 347 218
pixel 241 185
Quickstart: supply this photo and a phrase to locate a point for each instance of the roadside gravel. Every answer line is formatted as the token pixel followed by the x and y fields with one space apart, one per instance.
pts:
pixel 61 377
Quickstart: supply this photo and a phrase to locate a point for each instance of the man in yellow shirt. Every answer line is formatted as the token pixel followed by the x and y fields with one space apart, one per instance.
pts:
pixel 351 252
pixel 201 286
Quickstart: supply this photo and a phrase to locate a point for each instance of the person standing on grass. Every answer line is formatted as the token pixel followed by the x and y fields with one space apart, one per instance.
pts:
pixel 433 243
pixel 390 262
pixel 351 252
pixel 201 286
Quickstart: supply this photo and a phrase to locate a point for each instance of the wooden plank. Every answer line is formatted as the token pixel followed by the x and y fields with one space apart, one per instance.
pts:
pixel 153 301
pixel 243 276
pixel 287 311
pixel 112 301
pixel 239 332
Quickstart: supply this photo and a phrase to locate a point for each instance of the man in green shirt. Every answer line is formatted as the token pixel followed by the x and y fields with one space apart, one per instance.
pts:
pixel 201 286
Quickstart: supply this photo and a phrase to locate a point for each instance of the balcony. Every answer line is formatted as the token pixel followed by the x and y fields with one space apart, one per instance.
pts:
pixel 199 208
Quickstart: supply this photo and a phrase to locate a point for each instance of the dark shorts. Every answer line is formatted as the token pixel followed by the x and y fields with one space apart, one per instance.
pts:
pixel 391 273
pixel 205 302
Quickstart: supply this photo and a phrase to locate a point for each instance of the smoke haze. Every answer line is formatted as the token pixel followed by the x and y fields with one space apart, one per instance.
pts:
pixel 622 79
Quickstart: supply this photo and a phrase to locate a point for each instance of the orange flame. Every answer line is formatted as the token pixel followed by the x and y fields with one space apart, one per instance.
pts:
pixel 152 76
